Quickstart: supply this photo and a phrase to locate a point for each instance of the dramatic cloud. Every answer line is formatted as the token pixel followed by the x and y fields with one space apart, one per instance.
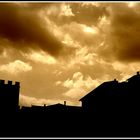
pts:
pixel 75 93
pixel 78 86
pixel 123 31
pixel 90 35
pixel 16 67
pixel 61 51
pixel 40 57
pixel 88 14
pixel 22 23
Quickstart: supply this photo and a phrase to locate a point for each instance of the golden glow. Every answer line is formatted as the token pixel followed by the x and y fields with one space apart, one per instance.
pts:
pixel 89 30
pixel 66 11
pixel 16 67
pixel 41 57
pixel 131 4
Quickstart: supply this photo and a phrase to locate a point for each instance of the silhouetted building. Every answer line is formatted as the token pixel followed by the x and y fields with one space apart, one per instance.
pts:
pixel 101 98
pixel 114 97
pixel 9 96
pixel 133 89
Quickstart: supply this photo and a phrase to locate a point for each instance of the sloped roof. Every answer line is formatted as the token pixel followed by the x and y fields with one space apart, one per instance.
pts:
pixel 100 89
pixel 135 77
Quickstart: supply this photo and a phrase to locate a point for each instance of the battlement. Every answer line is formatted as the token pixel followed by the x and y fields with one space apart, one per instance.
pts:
pixel 9 82
pixel 2 82
pixel 9 95
pixel 17 83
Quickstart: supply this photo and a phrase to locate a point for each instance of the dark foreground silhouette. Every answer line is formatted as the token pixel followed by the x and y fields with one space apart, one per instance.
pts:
pixel 110 110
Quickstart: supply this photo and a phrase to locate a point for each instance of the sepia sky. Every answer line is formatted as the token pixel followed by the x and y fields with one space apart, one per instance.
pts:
pixel 61 51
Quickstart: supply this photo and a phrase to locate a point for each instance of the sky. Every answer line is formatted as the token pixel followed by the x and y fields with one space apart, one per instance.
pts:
pixel 61 51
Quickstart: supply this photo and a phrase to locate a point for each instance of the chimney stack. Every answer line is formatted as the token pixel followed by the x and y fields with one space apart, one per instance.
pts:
pixel 138 73
pixel 115 80
pixel 65 103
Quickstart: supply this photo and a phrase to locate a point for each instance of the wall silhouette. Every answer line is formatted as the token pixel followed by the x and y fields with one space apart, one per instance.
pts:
pixel 9 96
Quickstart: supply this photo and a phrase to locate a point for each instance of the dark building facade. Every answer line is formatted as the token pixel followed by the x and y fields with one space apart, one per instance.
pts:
pixel 9 96
pixel 101 97
pixel 114 97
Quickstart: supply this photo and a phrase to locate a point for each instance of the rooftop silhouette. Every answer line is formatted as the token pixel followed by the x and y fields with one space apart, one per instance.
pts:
pixel 113 103
pixel 114 97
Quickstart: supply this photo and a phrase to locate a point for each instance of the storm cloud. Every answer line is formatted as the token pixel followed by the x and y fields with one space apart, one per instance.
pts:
pixel 22 23
pixel 124 31
pixel 88 13
pixel 100 41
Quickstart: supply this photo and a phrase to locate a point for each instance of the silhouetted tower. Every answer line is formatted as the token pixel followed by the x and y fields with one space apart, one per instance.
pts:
pixel 9 96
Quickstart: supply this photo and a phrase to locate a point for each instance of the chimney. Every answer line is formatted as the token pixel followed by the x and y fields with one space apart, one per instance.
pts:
pixel 65 103
pixel 44 105
pixel 138 73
